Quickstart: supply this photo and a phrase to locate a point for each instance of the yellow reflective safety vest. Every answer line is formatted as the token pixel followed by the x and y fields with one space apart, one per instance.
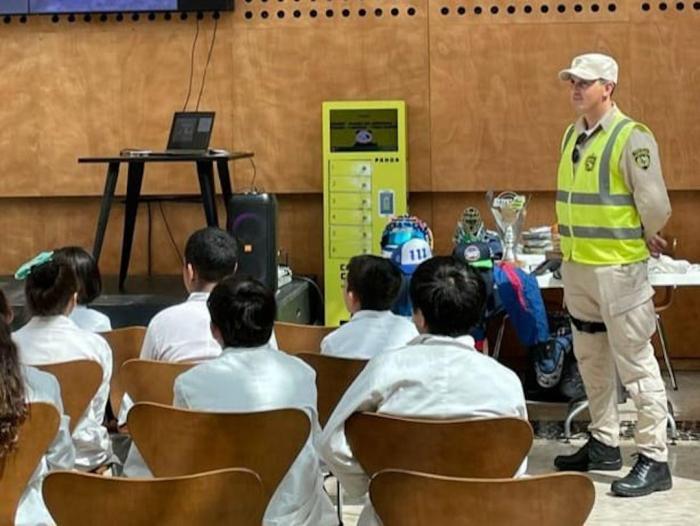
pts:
pixel 598 221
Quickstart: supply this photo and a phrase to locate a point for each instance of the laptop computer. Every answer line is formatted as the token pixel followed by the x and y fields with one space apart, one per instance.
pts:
pixel 190 133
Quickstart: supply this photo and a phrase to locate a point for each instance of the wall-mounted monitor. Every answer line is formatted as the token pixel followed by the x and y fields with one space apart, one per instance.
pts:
pixel 51 7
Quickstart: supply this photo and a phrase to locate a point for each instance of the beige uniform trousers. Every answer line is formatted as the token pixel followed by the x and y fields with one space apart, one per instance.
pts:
pixel 619 296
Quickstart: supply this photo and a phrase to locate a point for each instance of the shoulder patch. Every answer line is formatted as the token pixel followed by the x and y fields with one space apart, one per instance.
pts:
pixel 642 157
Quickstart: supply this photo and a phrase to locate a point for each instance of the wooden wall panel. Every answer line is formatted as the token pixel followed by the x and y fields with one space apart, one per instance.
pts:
pixel 286 67
pixel 92 89
pixel 665 91
pixel 498 110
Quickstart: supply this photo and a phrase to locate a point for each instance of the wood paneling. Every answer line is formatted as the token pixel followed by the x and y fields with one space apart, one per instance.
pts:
pixel 285 68
pixel 498 116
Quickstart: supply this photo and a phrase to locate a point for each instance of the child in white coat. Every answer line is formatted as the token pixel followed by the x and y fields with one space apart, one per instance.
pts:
pixel 371 287
pixel 437 375
pixel 252 376
pixel 20 385
pixel 89 289
pixel 51 337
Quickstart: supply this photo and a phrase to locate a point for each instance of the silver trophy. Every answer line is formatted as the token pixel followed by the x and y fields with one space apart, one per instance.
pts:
pixel 508 208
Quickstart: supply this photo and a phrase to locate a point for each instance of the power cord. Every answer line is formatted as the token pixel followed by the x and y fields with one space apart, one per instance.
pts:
pixel 255 173
pixel 170 234
pixel 206 66
pixel 194 46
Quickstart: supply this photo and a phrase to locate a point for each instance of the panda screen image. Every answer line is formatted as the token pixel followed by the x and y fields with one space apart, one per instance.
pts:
pixel 364 130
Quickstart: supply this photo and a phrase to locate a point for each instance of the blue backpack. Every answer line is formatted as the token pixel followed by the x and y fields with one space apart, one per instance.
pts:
pixel 521 298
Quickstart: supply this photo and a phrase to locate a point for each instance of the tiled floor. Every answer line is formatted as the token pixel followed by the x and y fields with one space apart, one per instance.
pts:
pixel 678 507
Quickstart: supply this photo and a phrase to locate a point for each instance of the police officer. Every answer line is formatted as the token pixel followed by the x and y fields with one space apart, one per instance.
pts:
pixel 611 204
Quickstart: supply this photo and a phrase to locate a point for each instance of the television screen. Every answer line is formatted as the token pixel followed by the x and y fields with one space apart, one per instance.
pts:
pixel 46 7
pixel 364 130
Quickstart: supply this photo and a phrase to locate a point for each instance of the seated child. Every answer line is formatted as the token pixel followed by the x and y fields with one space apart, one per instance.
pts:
pixel 251 376
pixel 371 288
pixel 50 337
pixel 89 288
pixel 438 375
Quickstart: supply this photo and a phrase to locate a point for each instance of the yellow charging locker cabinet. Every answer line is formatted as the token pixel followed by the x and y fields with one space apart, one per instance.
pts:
pixel 364 184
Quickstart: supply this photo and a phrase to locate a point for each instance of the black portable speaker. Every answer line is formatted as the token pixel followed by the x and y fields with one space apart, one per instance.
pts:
pixel 252 220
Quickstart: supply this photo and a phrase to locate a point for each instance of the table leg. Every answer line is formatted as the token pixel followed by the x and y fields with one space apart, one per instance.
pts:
pixel 105 207
pixel 225 180
pixel 133 191
pixel 205 172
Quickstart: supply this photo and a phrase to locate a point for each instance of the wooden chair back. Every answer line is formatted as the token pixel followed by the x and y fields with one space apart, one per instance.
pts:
pixel 231 496
pixel 79 380
pixel 333 377
pixel 265 442
pixel 479 448
pixel 295 338
pixel 151 381
pixel 36 434
pixel 126 345
pixel 404 498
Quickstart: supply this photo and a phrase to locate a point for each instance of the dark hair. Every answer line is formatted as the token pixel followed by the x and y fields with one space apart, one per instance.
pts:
pixel 13 406
pixel 213 254
pixel 374 280
pixel 243 310
pixel 449 294
pixel 86 270
pixel 5 308
pixel 49 288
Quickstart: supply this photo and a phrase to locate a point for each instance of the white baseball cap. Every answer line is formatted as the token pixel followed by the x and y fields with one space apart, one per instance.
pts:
pixel 591 66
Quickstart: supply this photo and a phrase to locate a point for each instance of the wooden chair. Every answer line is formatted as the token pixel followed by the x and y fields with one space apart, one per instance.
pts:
pixel 266 442
pixel 79 382
pixel 231 496
pixel 333 377
pixel 151 381
pixel 126 345
pixel 36 434
pixel 483 448
pixel 662 303
pixel 415 499
pixel 295 338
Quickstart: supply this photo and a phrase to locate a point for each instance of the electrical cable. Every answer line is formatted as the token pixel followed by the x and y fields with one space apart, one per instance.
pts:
pixel 194 47
pixel 170 234
pixel 206 66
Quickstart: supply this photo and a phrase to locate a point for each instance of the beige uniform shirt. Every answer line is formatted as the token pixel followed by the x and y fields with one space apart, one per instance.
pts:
pixel 641 168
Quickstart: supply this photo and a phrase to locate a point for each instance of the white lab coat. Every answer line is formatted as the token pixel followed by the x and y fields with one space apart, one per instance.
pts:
pixel 43 387
pixel 181 333
pixel 368 333
pixel 432 377
pixel 262 379
pixel 48 340
pixel 90 319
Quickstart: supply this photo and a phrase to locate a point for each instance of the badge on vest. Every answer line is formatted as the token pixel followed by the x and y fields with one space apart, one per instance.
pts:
pixel 590 163
pixel 642 157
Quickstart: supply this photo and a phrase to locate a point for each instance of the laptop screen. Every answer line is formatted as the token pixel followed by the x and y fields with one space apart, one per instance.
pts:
pixel 191 130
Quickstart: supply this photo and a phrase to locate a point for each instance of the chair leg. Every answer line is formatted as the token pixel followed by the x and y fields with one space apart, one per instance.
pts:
pixel 499 337
pixel 672 424
pixel 573 413
pixel 339 501
pixel 664 351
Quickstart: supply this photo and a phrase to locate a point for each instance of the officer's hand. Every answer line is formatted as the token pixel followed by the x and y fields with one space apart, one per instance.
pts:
pixel 656 245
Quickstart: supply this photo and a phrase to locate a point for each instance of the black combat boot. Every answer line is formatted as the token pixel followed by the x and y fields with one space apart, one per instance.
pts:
pixel 593 455
pixel 647 476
